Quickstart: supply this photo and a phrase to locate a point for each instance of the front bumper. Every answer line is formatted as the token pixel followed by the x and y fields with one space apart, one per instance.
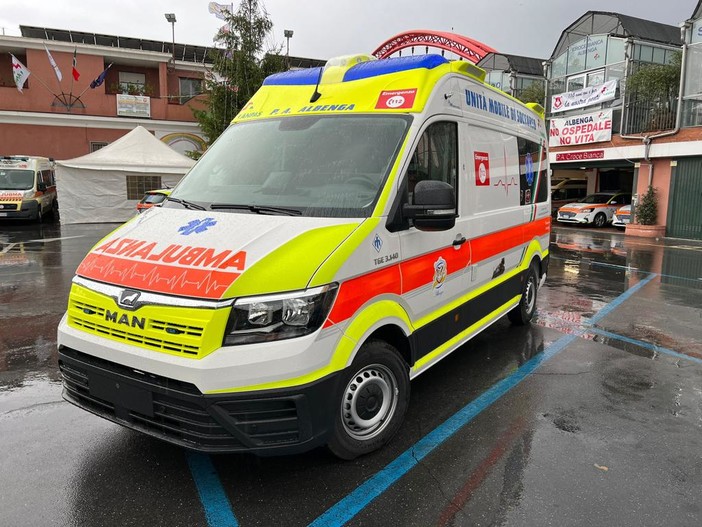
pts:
pixel 27 210
pixel 576 218
pixel 271 422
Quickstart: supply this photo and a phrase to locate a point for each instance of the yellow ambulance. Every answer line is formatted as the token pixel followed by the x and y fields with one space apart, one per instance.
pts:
pixel 352 227
pixel 27 188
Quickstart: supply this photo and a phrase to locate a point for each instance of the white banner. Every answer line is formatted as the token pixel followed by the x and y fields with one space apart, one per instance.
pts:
pixel 133 105
pixel 585 97
pixel 697 32
pixel 581 129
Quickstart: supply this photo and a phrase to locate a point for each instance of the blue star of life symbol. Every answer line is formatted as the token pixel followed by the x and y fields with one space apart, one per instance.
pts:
pixel 529 162
pixel 377 243
pixel 197 226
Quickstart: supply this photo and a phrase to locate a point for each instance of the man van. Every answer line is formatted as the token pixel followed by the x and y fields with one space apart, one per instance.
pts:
pixel 27 187
pixel 352 227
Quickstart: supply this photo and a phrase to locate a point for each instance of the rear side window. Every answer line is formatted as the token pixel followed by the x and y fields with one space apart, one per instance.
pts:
pixel 533 183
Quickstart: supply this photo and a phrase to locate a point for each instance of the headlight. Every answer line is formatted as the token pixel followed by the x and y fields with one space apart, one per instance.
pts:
pixel 586 211
pixel 277 317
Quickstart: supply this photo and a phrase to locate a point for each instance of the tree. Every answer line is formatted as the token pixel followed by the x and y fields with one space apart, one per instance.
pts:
pixel 533 93
pixel 653 90
pixel 647 209
pixel 239 66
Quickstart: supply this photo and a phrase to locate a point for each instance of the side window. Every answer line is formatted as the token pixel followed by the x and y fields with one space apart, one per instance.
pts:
pixel 533 184
pixel 436 156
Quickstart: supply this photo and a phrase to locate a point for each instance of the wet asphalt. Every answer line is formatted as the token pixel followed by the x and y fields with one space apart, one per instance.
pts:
pixel 592 415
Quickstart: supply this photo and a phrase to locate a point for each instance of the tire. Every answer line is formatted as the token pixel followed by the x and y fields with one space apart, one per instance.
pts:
pixel 55 210
pixel 524 311
pixel 372 401
pixel 600 220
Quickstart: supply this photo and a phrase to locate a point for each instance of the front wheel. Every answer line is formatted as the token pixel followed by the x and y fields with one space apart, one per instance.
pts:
pixel 600 220
pixel 524 311
pixel 372 402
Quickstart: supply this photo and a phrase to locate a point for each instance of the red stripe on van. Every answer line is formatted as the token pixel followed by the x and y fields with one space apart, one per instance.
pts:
pixel 415 273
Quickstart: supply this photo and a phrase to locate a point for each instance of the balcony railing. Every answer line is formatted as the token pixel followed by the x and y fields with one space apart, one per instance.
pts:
pixel 643 115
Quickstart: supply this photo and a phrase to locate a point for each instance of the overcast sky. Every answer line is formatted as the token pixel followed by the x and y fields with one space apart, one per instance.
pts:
pixel 326 28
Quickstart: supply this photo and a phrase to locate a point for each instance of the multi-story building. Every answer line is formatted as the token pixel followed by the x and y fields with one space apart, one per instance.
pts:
pixel 685 217
pixel 513 74
pixel 612 135
pixel 148 83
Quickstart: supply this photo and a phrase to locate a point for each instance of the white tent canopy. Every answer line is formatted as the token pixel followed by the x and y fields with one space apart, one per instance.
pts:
pixel 93 188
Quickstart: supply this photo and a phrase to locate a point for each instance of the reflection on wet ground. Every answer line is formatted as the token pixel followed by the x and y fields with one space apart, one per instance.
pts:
pixel 584 440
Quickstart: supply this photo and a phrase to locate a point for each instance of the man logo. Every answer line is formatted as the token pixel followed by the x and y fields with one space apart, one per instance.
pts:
pixel 128 298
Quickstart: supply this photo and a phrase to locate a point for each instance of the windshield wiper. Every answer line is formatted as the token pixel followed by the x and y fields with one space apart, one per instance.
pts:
pixel 186 204
pixel 257 209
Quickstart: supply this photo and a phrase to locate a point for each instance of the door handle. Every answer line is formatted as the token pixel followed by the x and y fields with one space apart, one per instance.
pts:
pixel 459 241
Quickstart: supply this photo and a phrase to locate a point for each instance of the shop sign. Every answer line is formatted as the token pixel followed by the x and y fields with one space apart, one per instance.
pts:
pixel 580 156
pixel 133 105
pixel 585 97
pixel 581 129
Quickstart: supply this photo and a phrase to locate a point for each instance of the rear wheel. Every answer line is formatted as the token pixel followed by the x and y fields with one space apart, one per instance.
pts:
pixel 600 220
pixel 524 311
pixel 372 402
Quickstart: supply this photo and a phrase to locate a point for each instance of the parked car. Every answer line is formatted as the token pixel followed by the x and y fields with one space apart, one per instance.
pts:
pixel 567 191
pixel 596 209
pixel 152 198
pixel 621 217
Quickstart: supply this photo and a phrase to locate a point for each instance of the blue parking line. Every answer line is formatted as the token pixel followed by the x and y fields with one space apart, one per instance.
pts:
pixel 218 510
pixel 646 345
pixel 346 509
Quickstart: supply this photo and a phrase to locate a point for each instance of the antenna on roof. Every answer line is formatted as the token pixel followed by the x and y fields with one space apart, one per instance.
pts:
pixel 316 95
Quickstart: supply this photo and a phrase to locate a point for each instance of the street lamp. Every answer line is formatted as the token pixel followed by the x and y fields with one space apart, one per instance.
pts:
pixel 170 17
pixel 288 33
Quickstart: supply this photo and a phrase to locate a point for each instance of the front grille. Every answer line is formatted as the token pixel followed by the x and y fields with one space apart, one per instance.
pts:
pixel 9 206
pixel 211 423
pixel 155 335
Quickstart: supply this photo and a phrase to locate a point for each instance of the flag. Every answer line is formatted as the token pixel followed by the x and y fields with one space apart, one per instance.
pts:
pixel 74 71
pixel 219 10
pixel 100 78
pixel 19 72
pixel 57 71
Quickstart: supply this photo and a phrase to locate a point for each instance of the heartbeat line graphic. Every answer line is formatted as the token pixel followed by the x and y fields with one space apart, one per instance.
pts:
pixel 162 278
pixel 504 183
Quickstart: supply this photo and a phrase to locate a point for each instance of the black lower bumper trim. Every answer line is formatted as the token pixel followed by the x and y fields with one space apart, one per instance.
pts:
pixel 270 422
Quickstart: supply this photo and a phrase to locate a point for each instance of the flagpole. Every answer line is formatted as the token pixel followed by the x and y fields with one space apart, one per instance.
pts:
pixel 72 77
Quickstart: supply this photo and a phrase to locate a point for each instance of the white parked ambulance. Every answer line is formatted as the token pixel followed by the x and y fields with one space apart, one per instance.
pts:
pixel 27 187
pixel 352 227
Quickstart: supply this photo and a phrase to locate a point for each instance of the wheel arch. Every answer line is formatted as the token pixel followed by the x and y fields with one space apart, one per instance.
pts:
pixel 385 320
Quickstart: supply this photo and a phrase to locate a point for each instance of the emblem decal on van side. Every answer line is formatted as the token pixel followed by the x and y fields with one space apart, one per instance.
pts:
pixel 377 243
pixel 440 273
pixel 482 169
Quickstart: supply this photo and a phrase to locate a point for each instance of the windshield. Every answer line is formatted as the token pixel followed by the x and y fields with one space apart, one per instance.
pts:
pixel 332 166
pixel 596 198
pixel 13 179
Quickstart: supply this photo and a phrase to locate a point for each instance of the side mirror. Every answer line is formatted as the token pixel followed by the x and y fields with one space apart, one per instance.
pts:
pixel 41 187
pixel 434 207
